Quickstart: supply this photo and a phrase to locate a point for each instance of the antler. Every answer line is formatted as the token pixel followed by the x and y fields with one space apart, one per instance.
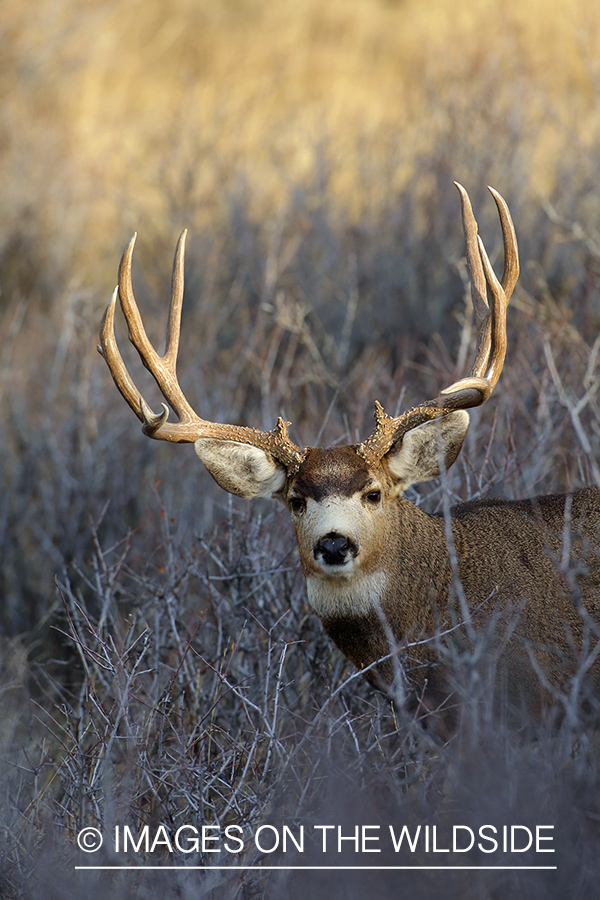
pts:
pixel 476 388
pixel 163 369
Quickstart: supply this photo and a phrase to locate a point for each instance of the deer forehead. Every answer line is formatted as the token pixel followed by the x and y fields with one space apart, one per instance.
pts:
pixel 333 472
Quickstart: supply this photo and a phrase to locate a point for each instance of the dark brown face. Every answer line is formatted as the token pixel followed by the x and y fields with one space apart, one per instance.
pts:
pixel 337 502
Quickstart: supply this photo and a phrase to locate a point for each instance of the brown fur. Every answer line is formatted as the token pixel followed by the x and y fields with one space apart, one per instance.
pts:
pixel 335 471
pixel 533 563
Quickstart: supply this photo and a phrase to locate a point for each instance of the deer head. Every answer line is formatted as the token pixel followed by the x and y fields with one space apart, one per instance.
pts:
pixel 337 497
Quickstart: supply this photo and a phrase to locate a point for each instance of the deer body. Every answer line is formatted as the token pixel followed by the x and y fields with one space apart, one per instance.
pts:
pixel 384 577
pixel 404 581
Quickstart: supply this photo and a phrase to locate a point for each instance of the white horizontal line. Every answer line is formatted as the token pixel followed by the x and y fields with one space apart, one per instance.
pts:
pixel 324 868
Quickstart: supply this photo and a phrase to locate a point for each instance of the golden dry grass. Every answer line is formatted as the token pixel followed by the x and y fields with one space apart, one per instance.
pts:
pixel 109 109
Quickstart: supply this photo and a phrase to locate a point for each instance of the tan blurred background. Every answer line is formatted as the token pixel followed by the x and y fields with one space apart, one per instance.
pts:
pixel 114 112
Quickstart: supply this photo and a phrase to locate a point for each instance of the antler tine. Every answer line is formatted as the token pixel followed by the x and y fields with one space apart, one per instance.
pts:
pixel 498 316
pixel 488 319
pixel 177 282
pixel 163 369
pixel 474 264
pixel 478 285
pixel 510 272
pixel 491 349
pixel 109 349
pixel 483 376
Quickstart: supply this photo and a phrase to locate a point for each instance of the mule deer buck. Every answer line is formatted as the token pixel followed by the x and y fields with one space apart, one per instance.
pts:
pixel 382 574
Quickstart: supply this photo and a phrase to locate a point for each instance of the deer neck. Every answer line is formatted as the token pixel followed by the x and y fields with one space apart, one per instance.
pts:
pixel 401 601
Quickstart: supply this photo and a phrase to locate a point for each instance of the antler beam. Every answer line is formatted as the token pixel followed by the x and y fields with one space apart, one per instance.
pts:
pixel 163 369
pixel 477 386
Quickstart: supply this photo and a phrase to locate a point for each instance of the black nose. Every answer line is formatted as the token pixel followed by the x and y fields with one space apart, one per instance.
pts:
pixel 334 548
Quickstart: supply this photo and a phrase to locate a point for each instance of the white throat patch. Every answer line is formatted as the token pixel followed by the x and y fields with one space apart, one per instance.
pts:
pixel 346 596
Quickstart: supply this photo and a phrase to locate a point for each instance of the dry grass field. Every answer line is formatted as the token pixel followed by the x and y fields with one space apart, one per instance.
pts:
pixel 159 664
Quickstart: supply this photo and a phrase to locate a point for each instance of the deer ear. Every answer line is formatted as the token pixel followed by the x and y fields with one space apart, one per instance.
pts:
pixel 424 450
pixel 241 469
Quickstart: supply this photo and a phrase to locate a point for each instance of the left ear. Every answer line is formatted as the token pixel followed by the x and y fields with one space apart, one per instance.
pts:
pixel 417 457
pixel 241 469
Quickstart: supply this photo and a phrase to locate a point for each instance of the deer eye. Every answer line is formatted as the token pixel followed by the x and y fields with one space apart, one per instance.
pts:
pixel 373 497
pixel 297 505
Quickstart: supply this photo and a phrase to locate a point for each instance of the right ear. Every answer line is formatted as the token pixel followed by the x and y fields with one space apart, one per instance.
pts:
pixel 418 456
pixel 241 469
